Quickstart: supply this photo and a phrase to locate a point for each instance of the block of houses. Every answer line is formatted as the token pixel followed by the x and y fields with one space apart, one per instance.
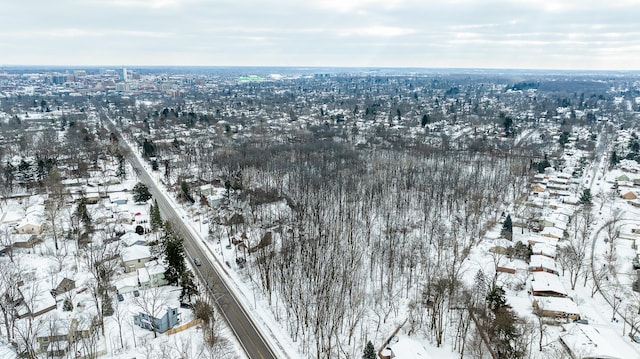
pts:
pixel 540 263
pixel 554 307
pixel 547 285
pixel 170 317
pixel 135 257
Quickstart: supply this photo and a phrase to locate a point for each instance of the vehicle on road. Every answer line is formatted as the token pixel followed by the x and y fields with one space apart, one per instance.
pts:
pixel 196 261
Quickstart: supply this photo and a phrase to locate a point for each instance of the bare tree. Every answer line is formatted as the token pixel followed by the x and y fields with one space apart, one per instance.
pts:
pixel 151 302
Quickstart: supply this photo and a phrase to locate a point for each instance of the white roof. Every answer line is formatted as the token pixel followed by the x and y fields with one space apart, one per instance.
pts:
pixel 130 281
pixel 407 348
pixel 143 275
pixel 589 341
pixel 553 232
pixel 557 304
pixel 135 252
pixel 546 249
pixel 155 268
pixel 547 282
pixel 538 260
pixel 535 238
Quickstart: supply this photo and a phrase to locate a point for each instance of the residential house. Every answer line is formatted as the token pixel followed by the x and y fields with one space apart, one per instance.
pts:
pixel 118 198
pixel 56 340
pixel 591 342
pixel 544 249
pixel 629 195
pixel 135 257
pixel 401 347
pixel 25 240
pixel 552 232
pixel 126 283
pixel 152 275
pixel 540 263
pixel 31 224
pixel 539 187
pixel 34 301
pixel 547 285
pixel 64 286
pixel 161 324
pixel 554 307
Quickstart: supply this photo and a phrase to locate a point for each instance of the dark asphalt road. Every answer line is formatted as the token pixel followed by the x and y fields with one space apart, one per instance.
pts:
pixel 235 315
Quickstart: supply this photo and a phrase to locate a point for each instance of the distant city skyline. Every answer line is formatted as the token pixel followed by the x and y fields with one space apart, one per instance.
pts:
pixel 517 34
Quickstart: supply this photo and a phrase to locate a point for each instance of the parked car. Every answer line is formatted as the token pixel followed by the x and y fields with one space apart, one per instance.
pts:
pixel 636 263
pixel 120 297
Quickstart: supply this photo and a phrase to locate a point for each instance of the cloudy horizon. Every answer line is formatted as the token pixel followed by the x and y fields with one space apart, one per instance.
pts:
pixel 572 34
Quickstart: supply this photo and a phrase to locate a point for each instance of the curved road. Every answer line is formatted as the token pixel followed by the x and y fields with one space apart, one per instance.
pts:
pixel 249 337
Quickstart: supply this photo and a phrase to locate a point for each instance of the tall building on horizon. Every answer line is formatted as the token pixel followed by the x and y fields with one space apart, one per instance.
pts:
pixel 123 74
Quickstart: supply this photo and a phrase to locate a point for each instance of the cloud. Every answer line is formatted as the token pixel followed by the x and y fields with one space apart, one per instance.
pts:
pixel 375 31
pixel 471 33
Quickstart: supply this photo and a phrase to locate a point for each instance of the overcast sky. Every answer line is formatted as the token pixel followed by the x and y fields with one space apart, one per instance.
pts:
pixel 542 34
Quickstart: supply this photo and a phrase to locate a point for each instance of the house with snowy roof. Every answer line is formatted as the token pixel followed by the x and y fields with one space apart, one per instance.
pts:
pixel 168 320
pixel 540 263
pixel 34 301
pixel 152 275
pixel 594 342
pixel 547 285
pixel 556 307
pixel 135 257
pixel 401 347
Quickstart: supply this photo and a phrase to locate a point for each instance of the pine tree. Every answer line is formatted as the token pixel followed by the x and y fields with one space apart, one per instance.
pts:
pixel 189 287
pixel 68 305
pixel 585 198
pixel 507 228
pixel 82 214
pixel 369 351
pixel 156 218
pixel 174 257
pixel 496 299
pixel 141 193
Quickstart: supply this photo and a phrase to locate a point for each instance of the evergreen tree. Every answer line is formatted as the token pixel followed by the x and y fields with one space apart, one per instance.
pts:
pixel 369 351
pixel 507 228
pixel 564 138
pixel 68 305
pixel 156 218
pixel 141 193
pixel 586 197
pixel 189 287
pixel 82 214
pixel 185 192
pixel 496 299
pixel 613 159
pixel 122 172
pixel 425 120
pixel 174 258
